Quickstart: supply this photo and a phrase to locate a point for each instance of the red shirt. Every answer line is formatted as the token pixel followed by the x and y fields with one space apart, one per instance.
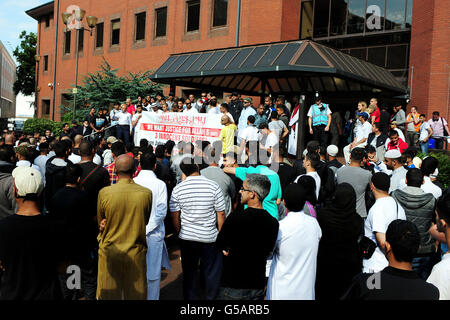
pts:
pixel 131 109
pixel 376 114
pixel 401 146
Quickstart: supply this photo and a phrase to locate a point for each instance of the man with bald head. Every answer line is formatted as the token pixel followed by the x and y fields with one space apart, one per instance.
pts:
pixel 227 134
pixel 123 211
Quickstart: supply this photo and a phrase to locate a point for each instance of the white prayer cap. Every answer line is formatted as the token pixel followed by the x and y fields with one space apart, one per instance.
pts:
pixel 27 180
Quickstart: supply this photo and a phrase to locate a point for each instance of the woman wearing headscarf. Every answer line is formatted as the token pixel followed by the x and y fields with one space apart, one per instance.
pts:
pixel 338 259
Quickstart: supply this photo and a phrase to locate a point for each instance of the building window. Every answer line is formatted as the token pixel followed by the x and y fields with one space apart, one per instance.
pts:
pixel 115 32
pixel 46 107
pixel 80 40
pixel 161 22
pixel 67 39
pixel 140 26
pixel 395 15
pixel 355 16
pixel 45 63
pixel 99 35
pixel 193 15
pixel 321 18
pixel 306 28
pixel 377 56
pixel 220 13
pixel 47 21
pixel 338 17
pixel 409 7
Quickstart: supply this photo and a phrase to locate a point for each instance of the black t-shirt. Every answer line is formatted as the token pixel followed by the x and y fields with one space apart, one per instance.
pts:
pixel 93 181
pixel 30 252
pixel 70 207
pixel 99 122
pixel 334 163
pixel 250 237
pixel 287 174
pixel 393 284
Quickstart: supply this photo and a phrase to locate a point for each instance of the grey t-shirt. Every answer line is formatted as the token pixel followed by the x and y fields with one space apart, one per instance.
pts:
pixel 225 183
pixel 359 179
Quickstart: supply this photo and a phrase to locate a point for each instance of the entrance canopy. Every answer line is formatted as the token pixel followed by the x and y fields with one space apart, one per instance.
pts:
pixel 290 67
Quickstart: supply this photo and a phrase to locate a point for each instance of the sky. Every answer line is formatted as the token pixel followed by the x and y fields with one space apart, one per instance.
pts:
pixel 13 20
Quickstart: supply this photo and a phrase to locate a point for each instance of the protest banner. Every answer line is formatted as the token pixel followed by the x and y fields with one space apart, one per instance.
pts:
pixel 158 128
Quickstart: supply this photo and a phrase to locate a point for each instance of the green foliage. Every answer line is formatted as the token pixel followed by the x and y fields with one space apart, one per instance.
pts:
pixel 103 88
pixel 444 166
pixel 40 125
pixel 24 54
pixel 80 114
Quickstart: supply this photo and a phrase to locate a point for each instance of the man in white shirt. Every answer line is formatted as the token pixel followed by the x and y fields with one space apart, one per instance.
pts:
pixel 157 255
pixel 383 212
pixel 425 134
pixel 123 124
pixel 224 111
pixel 189 107
pixel 250 133
pixel 155 108
pixel 361 135
pixel 247 111
pixel 428 167
pixel 310 163
pixel 393 161
pixel 271 139
pixel 293 271
pixel 440 275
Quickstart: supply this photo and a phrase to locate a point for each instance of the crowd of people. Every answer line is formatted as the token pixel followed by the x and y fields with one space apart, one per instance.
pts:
pixel 253 221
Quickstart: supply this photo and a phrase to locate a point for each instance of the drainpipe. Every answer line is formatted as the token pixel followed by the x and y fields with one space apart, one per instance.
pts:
pixel 56 54
pixel 238 22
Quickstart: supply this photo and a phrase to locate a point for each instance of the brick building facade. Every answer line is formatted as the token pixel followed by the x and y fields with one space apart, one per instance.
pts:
pixel 138 35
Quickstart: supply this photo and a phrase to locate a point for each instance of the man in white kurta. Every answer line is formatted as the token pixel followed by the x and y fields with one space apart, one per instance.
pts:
pixel 157 255
pixel 293 270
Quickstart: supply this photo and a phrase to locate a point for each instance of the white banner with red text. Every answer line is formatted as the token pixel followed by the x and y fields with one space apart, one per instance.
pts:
pixel 158 128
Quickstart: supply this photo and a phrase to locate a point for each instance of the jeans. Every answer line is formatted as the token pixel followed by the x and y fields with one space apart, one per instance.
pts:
pixel 123 133
pixel 424 147
pixel 423 266
pixel 210 258
pixel 320 135
pixel 412 137
pixel 240 294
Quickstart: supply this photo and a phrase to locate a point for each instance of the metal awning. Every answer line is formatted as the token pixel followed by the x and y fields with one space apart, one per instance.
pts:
pixel 279 68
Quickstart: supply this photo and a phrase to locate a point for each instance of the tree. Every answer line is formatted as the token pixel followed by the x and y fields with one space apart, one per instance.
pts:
pixel 24 54
pixel 104 87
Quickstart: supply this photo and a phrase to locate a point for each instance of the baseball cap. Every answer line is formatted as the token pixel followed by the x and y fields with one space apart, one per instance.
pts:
pixel 22 149
pixel 111 139
pixel 381 181
pixel 332 150
pixel 28 181
pixel 249 100
pixel 365 115
pixel 393 154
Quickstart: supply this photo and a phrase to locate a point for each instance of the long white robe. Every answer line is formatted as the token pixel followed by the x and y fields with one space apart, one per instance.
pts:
pixel 293 270
pixel 293 135
pixel 157 255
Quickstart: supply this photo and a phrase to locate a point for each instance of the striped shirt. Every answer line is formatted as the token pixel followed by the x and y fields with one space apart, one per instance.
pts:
pixel 199 199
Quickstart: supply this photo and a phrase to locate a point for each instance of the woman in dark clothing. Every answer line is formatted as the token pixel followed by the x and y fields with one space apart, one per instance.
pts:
pixel 338 260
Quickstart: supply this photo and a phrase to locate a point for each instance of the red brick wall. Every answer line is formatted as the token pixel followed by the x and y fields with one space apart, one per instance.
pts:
pixel 430 56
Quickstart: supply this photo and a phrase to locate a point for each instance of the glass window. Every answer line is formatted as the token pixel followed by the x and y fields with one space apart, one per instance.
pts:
pixel 321 18
pixel 220 13
pixel 377 56
pixel 67 39
pixel 47 21
pixel 140 26
pixel 115 32
pixel 306 29
pixel 45 63
pixel 193 15
pixel 161 22
pixel 375 15
pixel 80 40
pixel 359 53
pixel 395 14
pixel 338 15
pixel 99 35
pixel 397 57
pixel 409 8
pixel 355 16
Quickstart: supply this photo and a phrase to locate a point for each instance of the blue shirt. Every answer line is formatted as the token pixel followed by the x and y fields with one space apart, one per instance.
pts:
pixel 269 202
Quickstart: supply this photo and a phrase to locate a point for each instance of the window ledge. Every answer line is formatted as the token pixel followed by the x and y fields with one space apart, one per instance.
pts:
pixel 114 48
pixel 139 44
pixel 160 41
pixel 219 31
pixel 191 35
